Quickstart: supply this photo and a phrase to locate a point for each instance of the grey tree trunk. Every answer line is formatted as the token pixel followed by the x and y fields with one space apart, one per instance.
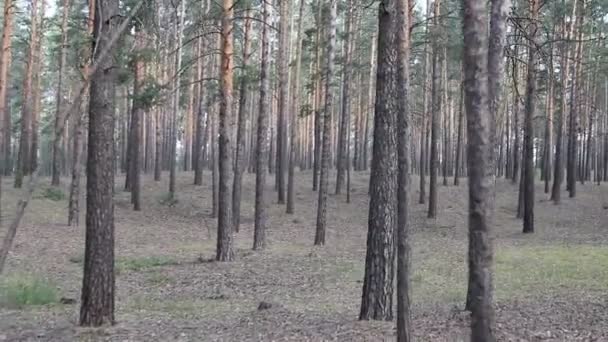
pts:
pixel 326 144
pixel 259 235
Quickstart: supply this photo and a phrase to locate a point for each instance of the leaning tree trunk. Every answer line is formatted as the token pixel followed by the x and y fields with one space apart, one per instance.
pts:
pixel 326 144
pixel 97 301
pixel 224 223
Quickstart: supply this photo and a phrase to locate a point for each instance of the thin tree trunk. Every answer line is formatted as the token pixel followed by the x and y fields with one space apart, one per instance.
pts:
pixel 5 61
pixel 176 97
pixel 295 110
pixel 59 95
pixel 259 235
pixel 224 223
pixel 326 145
pixel 436 112
pixel 239 165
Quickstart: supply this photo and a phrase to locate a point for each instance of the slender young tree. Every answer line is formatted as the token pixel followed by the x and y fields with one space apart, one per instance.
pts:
pixel 295 109
pixel 528 186
pixel 343 147
pixel 97 300
pixel 435 112
pixel 259 235
pixel 179 29
pixel 59 94
pixel 24 166
pixel 283 68
pixel 5 62
pixel 326 144
pixel 239 165
pixel 224 219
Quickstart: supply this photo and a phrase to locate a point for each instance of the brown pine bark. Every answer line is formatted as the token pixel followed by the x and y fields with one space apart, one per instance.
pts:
pixel 402 22
pixel 179 28
pixel 343 147
pixel 25 141
pixel 558 166
pixel 377 297
pixel 239 165
pixel 97 300
pixel 55 162
pixel 436 111
pixel 283 104
pixel 137 116
pixel 259 235
pixel 326 144
pixel 224 223
pixel 5 61
pixel 295 111
pixel 529 121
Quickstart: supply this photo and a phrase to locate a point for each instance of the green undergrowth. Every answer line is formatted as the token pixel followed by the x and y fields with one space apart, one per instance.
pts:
pixel 18 291
pixel 519 273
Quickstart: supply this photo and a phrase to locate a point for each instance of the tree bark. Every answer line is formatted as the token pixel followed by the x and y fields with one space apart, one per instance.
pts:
pixel 377 298
pixel 56 168
pixel 436 112
pixel 295 114
pixel 97 301
pixel 5 61
pixel 259 235
pixel 239 164
pixel 224 222
pixel 326 144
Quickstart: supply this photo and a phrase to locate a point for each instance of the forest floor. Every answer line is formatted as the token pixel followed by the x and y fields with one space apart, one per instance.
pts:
pixel 551 285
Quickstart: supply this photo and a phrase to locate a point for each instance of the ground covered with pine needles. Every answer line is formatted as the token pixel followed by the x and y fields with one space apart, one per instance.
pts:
pixel 552 285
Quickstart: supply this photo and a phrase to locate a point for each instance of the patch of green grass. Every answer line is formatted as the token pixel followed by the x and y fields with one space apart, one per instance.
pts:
pixel 54 194
pixel 538 270
pixel 142 264
pixel 168 199
pixel 18 291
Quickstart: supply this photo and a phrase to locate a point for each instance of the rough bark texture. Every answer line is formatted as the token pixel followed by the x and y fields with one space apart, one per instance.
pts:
pixel 239 163
pixel 481 183
pixel 283 66
pixel 259 235
pixel 529 122
pixel 435 114
pixel 55 163
pixel 326 144
pixel 25 139
pixel 224 218
pixel 295 111
pixel 176 97
pixel 558 166
pixel 5 61
pixel 342 163
pixel 97 300
pixel 377 297
pixel 402 26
